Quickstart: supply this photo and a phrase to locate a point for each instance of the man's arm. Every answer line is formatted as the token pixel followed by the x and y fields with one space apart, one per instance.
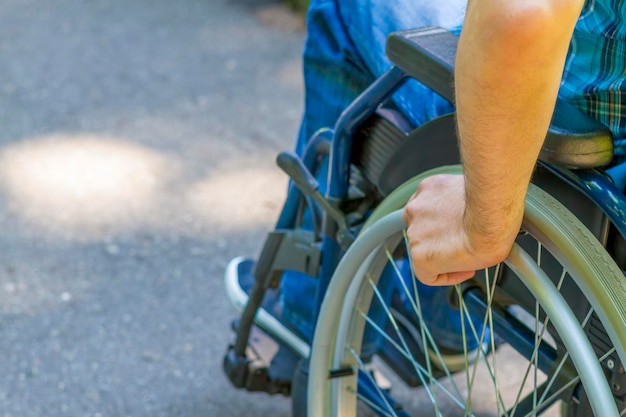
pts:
pixel 509 65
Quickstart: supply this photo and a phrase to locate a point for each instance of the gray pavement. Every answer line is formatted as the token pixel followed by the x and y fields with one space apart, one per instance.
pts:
pixel 136 157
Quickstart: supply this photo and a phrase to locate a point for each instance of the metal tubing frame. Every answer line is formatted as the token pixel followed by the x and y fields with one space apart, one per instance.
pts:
pixel 599 188
pixel 350 119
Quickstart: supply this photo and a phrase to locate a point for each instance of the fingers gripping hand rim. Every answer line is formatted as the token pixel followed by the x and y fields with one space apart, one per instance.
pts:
pixel 441 247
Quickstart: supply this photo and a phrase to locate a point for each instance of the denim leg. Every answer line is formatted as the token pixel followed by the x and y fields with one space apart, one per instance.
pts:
pixel 368 24
pixel 334 75
pixel 345 52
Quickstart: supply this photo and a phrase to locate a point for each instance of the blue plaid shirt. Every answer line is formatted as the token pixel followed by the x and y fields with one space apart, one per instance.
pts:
pixel 595 72
pixel 345 51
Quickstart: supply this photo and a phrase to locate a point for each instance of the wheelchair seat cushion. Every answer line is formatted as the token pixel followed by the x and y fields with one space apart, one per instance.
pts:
pixel 576 140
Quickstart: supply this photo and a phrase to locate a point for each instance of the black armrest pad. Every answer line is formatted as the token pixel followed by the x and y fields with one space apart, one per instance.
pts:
pixel 426 54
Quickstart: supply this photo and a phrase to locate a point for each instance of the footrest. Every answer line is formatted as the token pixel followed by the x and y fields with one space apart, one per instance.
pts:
pixel 267 367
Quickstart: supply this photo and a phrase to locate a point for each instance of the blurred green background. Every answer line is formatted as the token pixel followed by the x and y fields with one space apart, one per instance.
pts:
pixel 298 5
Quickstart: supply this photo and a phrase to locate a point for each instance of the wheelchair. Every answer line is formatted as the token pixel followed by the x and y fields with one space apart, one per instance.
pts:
pixel 543 331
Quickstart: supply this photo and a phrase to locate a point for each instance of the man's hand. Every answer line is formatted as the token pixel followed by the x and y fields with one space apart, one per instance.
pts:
pixel 443 247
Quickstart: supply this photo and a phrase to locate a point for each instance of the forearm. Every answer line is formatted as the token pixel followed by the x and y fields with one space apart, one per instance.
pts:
pixel 509 63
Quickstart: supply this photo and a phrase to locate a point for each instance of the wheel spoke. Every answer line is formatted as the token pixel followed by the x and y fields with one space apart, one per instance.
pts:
pixel 371 404
pixel 573 381
pixel 372 381
pixel 527 403
pixel 421 370
pixel 415 364
pixel 492 340
pixel 479 351
pixel 537 336
pixel 535 355
pixel 417 309
pixel 408 356
pixel 405 331
pixel 533 362
pixel 564 359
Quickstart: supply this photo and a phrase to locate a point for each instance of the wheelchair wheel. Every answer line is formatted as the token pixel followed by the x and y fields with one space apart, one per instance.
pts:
pixel 546 327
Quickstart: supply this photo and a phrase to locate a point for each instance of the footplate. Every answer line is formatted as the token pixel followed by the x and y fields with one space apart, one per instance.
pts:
pixel 267 367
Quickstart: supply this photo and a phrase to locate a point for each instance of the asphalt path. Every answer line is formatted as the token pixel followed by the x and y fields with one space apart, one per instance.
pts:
pixel 137 141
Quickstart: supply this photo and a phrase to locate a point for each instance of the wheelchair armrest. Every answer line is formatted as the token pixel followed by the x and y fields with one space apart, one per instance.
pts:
pixel 574 140
pixel 428 55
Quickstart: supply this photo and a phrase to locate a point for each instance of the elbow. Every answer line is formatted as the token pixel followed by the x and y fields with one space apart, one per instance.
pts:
pixel 524 21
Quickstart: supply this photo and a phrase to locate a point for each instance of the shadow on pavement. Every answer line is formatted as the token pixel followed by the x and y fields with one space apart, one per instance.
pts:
pixel 136 158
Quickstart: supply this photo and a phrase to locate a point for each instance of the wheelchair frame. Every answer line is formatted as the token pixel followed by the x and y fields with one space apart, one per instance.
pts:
pixel 590 193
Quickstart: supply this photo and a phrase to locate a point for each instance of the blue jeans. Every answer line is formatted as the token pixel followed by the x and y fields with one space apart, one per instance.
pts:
pixel 343 54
